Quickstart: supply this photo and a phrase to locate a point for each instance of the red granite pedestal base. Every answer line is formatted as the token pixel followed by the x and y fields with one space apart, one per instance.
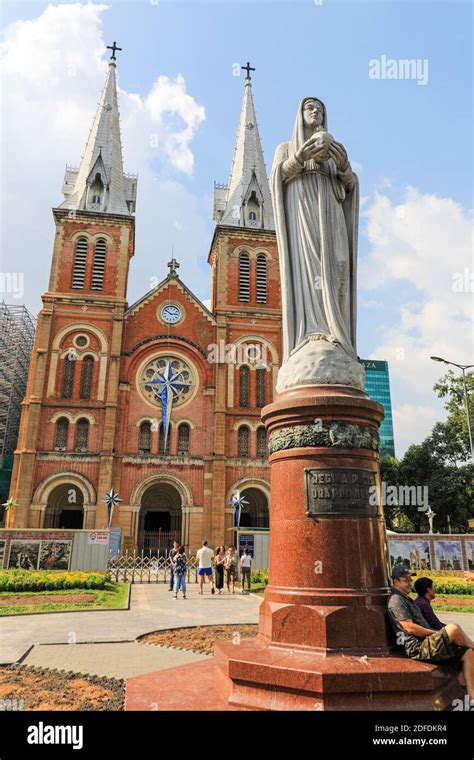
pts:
pixel 323 637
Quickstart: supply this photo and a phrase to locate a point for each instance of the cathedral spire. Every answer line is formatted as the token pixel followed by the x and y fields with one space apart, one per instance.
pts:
pixel 100 184
pixel 246 201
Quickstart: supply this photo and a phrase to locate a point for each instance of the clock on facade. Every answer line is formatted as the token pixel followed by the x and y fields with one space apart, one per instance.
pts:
pixel 171 313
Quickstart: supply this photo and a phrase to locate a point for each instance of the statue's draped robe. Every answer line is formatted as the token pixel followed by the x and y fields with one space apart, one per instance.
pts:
pixel 316 223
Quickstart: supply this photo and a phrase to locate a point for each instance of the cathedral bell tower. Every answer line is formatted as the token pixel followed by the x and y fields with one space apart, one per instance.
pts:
pixel 69 413
pixel 245 299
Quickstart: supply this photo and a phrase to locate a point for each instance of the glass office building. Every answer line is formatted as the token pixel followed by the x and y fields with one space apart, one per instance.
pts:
pixel 377 385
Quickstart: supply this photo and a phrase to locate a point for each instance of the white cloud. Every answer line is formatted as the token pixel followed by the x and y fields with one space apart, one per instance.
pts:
pixel 49 99
pixel 412 423
pixel 422 242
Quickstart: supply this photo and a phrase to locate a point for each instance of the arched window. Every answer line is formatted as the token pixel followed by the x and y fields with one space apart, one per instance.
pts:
pixel 183 438
pixel 260 387
pixel 244 435
pixel 244 374
pixel 244 278
pixel 86 377
pixel 145 438
pixel 82 435
pixel 161 440
pixel 80 258
pixel 261 442
pixel 261 279
pixel 68 377
pixel 252 216
pixel 62 428
pixel 98 267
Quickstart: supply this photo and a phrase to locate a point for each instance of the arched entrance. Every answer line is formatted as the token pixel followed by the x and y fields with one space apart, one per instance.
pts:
pixel 160 518
pixel 255 514
pixel 64 507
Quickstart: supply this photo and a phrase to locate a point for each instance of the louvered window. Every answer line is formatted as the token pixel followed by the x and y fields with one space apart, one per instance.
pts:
pixel 183 438
pixel 244 278
pixel 98 268
pixel 86 377
pixel 68 378
pixel 261 442
pixel 79 271
pixel 145 437
pixel 260 387
pixel 161 440
pixel 243 441
pixel 82 435
pixel 244 374
pixel 62 427
pixel 261 279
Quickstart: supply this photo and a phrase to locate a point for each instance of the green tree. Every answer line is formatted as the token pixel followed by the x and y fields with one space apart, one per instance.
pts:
pixel 450 439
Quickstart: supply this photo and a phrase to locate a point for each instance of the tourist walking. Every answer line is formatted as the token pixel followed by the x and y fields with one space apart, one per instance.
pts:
pixel 179 571
pixel 231 567
pixel 204 556
pixel 171 555
pixel 246 570
pixel 220 565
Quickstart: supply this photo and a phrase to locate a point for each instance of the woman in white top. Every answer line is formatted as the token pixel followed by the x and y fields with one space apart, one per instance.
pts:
pixel 245 569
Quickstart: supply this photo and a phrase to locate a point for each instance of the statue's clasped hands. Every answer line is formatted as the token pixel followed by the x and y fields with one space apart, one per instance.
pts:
pixel 320 147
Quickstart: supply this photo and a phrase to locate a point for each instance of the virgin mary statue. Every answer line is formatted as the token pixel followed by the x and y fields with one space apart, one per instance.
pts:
pixel 316 203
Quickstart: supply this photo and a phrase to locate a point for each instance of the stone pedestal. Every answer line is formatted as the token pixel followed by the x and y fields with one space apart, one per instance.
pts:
pixel 323 639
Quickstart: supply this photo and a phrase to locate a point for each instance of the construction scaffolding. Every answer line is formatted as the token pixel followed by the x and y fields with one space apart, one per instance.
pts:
pixel 17 333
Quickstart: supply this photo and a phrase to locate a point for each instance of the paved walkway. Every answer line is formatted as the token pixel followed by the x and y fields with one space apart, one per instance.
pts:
pixel 152 608
pixel 117 660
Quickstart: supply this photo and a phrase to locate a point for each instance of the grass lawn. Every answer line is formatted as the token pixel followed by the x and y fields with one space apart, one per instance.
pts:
pixel 114 595
pixel 454 603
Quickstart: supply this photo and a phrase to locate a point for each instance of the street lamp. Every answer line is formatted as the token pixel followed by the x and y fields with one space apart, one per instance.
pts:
pixel 463 368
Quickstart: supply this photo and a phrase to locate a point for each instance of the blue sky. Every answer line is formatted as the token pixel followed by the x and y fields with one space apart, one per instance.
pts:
pixel 398 133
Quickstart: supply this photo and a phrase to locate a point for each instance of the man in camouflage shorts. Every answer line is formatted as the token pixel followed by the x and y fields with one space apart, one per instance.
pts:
pixel 450 645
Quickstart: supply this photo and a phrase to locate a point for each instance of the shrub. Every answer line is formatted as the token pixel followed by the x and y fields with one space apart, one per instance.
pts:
pixel 260 577
pixel 49 580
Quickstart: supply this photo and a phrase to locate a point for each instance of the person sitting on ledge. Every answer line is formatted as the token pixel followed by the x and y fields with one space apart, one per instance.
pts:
pixel 450 645
pixel 425 589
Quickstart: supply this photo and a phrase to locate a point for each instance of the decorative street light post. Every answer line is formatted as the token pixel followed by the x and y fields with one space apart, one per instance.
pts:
pixel 463 368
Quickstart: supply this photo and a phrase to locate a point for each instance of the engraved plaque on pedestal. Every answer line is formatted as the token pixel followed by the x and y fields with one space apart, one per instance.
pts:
pixel 341 491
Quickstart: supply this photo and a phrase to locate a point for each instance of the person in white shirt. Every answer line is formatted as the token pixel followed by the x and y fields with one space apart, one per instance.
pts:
pixel 245 569
pixel 204 555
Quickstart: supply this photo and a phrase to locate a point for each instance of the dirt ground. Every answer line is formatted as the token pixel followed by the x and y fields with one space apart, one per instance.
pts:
pixel 200 639
pixel 43 689
pixel 25 599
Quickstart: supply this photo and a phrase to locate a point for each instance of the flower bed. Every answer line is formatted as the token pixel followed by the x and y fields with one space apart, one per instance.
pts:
pixel 46 580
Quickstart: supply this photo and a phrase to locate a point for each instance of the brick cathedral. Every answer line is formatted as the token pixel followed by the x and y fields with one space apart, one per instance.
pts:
pixel 159 400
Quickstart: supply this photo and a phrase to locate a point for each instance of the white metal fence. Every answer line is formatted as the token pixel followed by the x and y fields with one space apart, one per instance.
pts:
pixel 136 568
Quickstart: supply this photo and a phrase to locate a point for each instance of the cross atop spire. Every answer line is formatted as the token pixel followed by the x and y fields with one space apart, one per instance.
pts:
pixel 113 48
pixel 248 68
pixel 173 266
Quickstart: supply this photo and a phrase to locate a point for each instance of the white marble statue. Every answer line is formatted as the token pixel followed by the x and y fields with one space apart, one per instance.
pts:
pixel 316 204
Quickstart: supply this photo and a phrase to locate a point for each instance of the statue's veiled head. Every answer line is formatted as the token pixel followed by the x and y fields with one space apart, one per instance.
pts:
pixel 311 115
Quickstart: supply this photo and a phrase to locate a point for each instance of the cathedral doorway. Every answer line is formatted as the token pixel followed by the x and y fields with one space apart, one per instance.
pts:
pixel 64 508
pixel 255 514
pixel 160 519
